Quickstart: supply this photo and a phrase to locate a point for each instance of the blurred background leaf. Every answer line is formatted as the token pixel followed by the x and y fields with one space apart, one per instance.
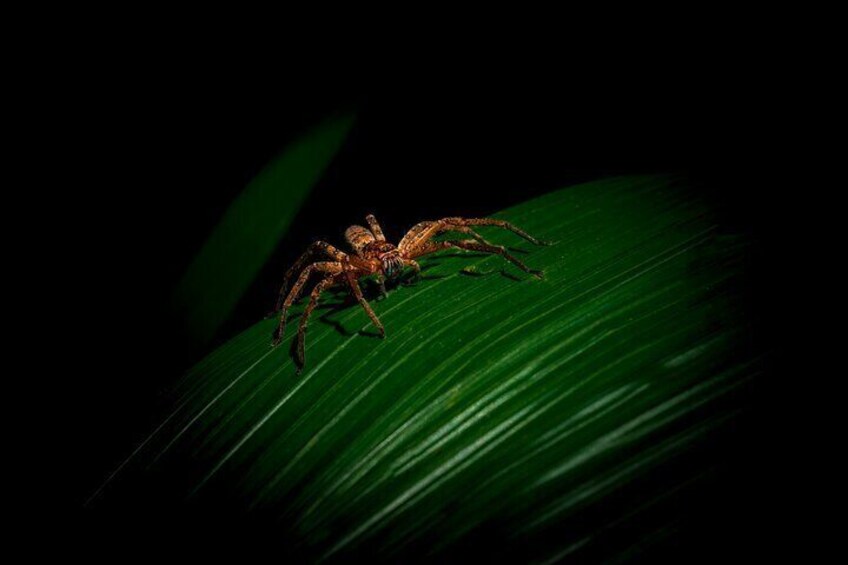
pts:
pixel 604 412
pixel 251 228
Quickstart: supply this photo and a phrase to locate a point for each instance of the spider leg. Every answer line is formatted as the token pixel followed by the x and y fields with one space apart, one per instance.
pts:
pixel 331 268
pixel 498 223
pixel 417 235
pixel 304 319
pixel 427 248
pixel 381 280
pixel 452 227
pixel 357 292
pixel 472 233
pixel 467 231
pixel 314 247
pixel 375 227
pixel 472 245
pixel 421 233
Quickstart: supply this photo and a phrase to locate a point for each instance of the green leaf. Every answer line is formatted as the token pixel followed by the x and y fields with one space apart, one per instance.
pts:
pixel 545 418
pixel 251 229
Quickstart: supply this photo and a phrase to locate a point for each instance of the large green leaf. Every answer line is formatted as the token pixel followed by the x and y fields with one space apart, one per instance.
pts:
pixel 532 419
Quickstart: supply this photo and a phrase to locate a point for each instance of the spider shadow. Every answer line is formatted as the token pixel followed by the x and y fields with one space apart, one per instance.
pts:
pixel 342 299
pixel 473 272
pixel 473 254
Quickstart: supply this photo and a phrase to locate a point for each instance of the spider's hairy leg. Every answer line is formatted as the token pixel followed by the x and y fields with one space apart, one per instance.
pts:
pixel 304 319
pixel 498 223
pixel 314 248
pixel 421 233
pixel 446 227
pixel 328 267
pixel 472 233
pixel 472 245
pixel 375 227
pixel 426 249
pixel 416 236
pixel 357 292
pixel 381 281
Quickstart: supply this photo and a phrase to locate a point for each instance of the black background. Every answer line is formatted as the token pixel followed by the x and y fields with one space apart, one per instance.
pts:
pixel 151 148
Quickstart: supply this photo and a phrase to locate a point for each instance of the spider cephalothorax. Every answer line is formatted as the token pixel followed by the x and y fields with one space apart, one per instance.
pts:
pixel 375 256
pixel 370 244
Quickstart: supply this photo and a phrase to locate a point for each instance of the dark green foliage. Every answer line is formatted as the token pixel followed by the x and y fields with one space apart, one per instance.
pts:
pixel 502 415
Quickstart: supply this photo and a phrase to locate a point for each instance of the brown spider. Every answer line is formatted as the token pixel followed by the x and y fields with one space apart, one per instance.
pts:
pixel 374 255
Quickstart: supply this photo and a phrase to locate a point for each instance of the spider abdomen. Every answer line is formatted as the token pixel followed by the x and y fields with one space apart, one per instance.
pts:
pixel 358 238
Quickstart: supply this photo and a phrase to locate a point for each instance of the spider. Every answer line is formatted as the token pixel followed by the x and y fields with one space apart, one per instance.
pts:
pixel 375 256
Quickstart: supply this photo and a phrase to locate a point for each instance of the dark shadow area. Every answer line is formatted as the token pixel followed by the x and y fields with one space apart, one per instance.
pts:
pixel 473 272
pixel 342 300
